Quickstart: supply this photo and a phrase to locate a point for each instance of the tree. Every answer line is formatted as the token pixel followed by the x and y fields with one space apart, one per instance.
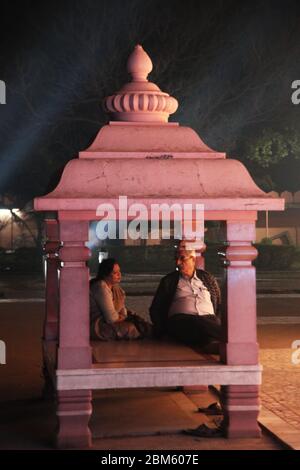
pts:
pixel 272 146
pixel 273 158
pixel 229 64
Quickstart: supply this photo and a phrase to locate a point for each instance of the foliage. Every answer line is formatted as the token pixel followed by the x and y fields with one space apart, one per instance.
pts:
pixel 139 259
pixel 271 147
pixel 266 241
pixel 274 257
pixel 230 64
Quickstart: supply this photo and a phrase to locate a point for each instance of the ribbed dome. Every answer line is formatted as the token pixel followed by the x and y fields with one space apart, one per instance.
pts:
pixel 140 100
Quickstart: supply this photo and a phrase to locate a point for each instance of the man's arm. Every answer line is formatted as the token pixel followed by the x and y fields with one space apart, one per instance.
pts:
pixel 212 285
pixel 217 289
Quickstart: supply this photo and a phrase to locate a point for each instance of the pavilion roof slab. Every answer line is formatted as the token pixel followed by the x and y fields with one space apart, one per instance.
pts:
pixel 146 140
pixel 220 184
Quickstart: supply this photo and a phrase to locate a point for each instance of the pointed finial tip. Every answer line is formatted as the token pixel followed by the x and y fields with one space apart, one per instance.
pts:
pixel 139 64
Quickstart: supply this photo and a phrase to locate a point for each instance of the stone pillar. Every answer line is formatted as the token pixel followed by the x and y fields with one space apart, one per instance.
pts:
pixel 50 329
pixel 74 352
pixel 240 403
pixel 52 295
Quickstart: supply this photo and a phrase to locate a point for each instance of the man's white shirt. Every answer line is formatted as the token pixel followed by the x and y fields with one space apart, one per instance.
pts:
pixel 191 297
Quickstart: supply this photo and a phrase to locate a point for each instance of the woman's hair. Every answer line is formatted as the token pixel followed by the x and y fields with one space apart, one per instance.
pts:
pixel 105 268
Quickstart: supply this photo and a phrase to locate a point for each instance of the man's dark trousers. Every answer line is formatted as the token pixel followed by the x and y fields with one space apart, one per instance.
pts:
pixel 194 329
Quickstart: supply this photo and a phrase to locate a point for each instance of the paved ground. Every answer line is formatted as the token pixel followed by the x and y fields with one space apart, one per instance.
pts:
pixel 281 383
pixel 281 375
pixel 25 286
pixel 27 422
pixel 150 423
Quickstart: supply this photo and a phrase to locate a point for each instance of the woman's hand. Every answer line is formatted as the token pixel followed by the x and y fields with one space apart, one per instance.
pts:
pixel 122 314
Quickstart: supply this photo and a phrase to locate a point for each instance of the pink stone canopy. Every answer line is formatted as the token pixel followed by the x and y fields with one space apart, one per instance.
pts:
pixel 144 157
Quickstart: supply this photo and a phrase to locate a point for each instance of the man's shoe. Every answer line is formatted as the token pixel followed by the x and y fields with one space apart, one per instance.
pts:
pixel 204 431
pixel 213 409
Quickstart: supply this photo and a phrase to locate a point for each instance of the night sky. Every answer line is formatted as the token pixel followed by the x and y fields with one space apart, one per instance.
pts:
pixel 229 63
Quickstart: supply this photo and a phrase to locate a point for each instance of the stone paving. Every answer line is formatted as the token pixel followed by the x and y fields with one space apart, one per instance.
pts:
pixel 281 378
pixel 281 385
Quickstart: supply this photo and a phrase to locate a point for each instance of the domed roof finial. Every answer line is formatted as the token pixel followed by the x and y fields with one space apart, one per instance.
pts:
pixel 139 64
pixel 140 100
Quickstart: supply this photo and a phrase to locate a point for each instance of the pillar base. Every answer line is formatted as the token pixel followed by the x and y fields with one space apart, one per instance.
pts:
pixel 69 441
pixel 73 412
pixel 240 405
pixel 236 432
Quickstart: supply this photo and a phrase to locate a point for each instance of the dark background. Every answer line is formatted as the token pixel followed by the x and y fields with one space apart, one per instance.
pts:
pixel 229 63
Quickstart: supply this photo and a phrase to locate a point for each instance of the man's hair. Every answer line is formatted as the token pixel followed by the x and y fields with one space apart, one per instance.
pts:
pixel 189 247
pixel 184 252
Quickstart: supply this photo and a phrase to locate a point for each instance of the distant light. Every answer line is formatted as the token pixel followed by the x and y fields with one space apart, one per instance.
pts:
pixel 4 212
pixel 17 212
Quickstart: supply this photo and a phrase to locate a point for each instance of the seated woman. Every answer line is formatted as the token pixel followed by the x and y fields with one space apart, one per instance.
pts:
pixel 109 317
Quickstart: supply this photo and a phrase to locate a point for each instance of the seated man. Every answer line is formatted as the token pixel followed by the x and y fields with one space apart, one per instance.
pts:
pixel 186 303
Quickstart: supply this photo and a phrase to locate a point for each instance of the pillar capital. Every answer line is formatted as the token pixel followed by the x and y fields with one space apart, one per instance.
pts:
pixel 240 253
pixel 51 248
pixel 240 230
pixel 74 252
